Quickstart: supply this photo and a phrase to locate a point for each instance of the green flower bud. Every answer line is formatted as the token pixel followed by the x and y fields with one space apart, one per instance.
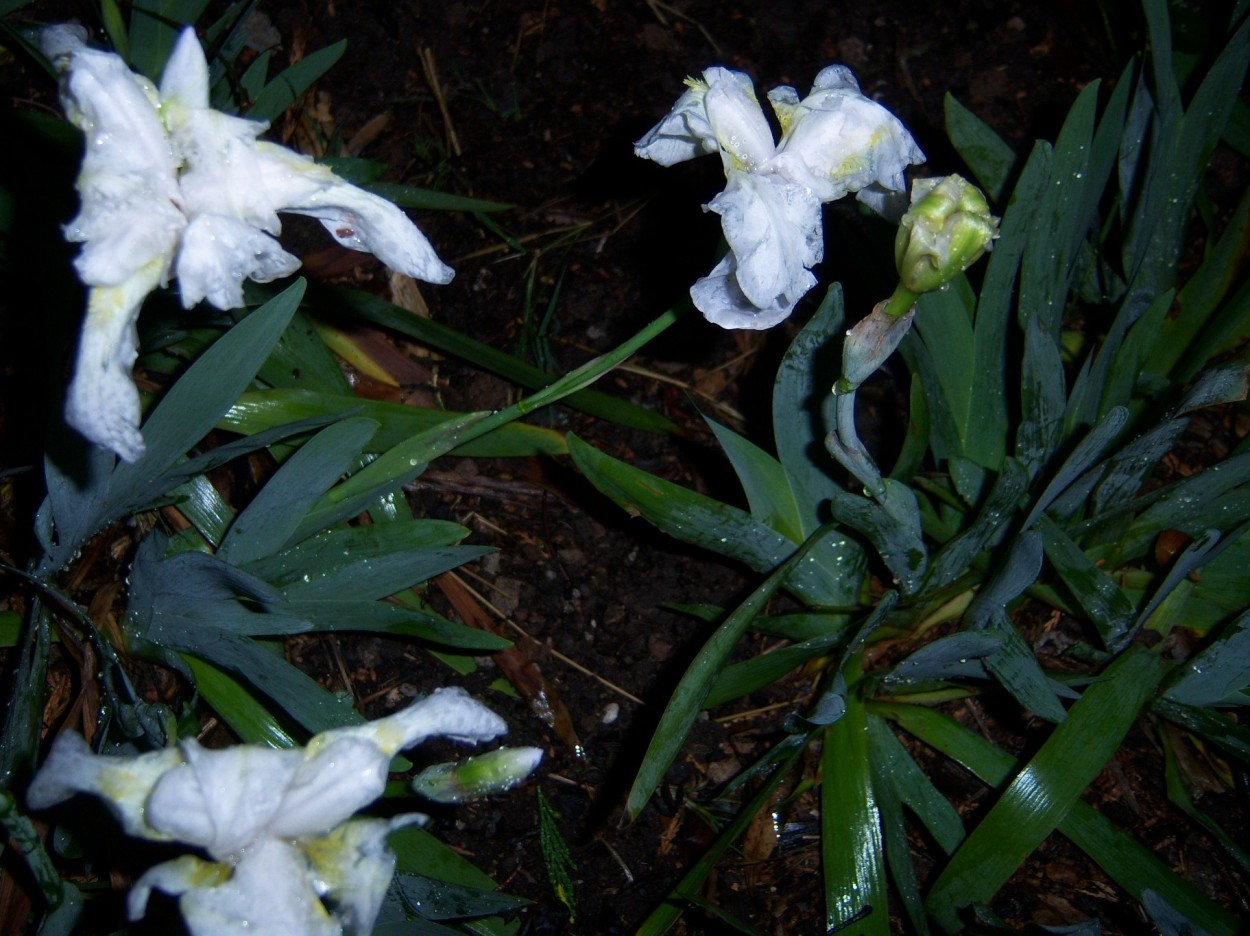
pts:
pixel 946 230
pixel 475 777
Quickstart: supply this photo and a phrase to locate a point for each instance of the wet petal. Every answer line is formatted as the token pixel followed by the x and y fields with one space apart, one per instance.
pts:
pixel 101 401
pixel 124 783
pixel 174 878
pixel 270 894
pixel 353 866
pixel 219 252
pixel 330 786
pixel 773 230
pixel 355 218
pixel 449 713
pixel 683 134
pixel 737 120
pixel 222 800
pixel 840 142
pixel 128 180
pixel 722 302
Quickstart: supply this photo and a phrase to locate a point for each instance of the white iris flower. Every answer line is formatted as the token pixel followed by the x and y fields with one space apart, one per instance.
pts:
pixel 169 185
pixel 834 142
pixel 276 824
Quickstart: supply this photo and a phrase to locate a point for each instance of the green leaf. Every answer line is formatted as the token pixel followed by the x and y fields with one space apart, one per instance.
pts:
pixel 664 916
pixel 851 847
pixel 1014 665
pixel 450 341
pixel 986 153
pixel 952 657
pixel 409 196
pixel 893 528
pixel 285 89
pixel 301 361
pixel 764 480
pixel 1209 725
pixel 417 851
pixel 1130 864
pixel 912 786
pixel 255 411
pixel 687 700
pixel 1202 296
pixel 275 513
pixel 944 323
pixel 63 900
pixel 1211 499
pixel 380 577
pixel 154 28
pixel 956 557
pixel 1087 451
pixel 236 706
pixel 208 388
pixel 304 699
pixel 739 679
pixel 436 899
pixel 204 507
pixel 1221 669
pixel 803 408
pixel 114 27
pixel 701 521
pixel 1042 793
pixel 1109 609
pixel 1178 794
pixel 335 549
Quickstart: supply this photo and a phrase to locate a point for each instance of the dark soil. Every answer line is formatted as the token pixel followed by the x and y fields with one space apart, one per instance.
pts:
pixel 537 104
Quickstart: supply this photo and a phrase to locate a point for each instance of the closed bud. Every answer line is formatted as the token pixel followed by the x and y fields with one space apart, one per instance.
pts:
pixel 475 777
pixel 946 230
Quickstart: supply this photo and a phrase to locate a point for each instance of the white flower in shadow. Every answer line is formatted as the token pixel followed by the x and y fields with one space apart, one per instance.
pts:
pixel 168 184
pixel 834 142
pixel 276 825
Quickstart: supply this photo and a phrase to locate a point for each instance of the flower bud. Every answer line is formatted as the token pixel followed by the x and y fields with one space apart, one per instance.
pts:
pixel 946 230
pixel 475 777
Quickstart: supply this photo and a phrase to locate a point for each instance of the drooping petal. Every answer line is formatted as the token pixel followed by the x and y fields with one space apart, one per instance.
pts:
pixel 352 866
pixel 124 783
pixel 355 218
pixel 449 713
pixel 101 401
pixel 270 894
pixel 174 878
pixel 222 800
pixel 773 230
pixel 840 142
pixel 722 302
pixel 684 133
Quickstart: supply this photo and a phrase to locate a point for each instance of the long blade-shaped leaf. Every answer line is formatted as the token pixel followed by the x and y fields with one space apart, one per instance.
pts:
pixel 687 701
pixel 1129 863
pixel 851 847
pixel 1042 793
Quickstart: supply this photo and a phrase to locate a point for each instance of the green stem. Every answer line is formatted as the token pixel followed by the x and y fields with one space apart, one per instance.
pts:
pixel 900 302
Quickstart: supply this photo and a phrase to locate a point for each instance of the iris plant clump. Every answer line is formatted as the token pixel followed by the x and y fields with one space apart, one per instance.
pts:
pixel 1023 476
